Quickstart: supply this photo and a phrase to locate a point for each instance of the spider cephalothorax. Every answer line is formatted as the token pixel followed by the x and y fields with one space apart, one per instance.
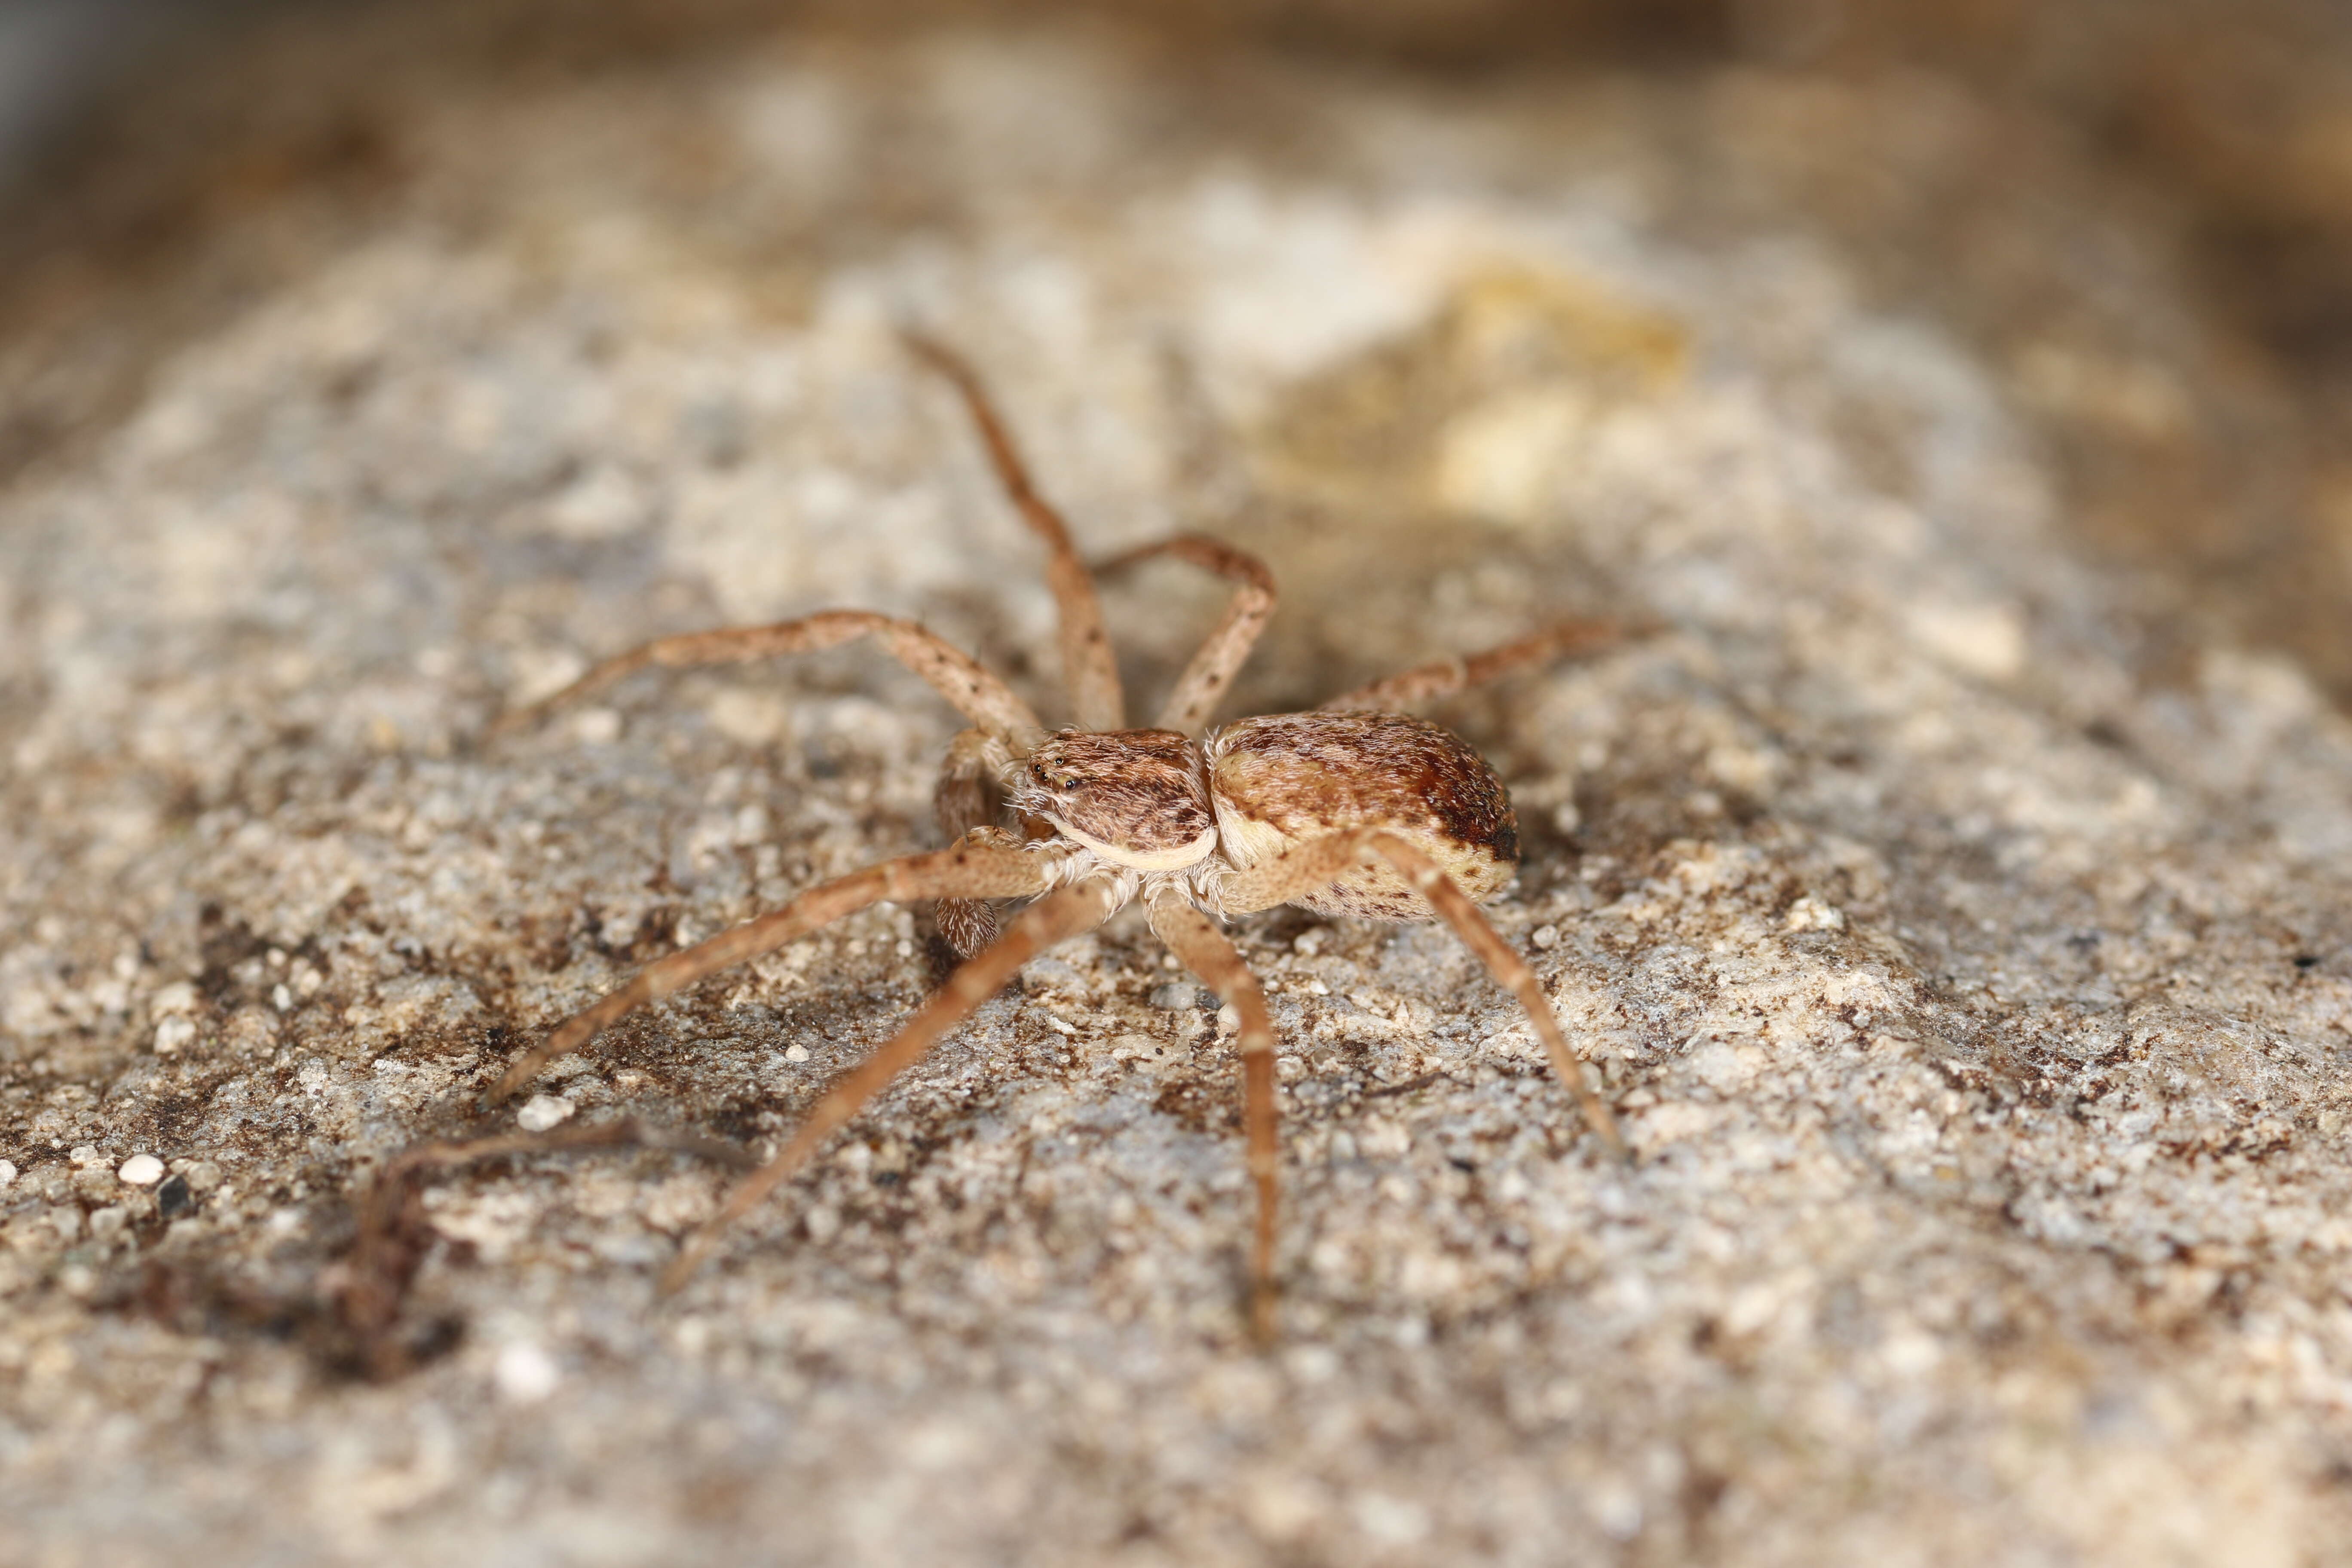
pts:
pixel 1134 797
pixel 1354 809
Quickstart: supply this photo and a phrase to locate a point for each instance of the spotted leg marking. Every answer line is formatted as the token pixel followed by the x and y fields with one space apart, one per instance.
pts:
pixel 1207 952
pixel 1451 675
pixel 1050 919
pixel 1295 872
pixel 954 674
pixel 1088 666
pixel 983 866
pixel 1227 647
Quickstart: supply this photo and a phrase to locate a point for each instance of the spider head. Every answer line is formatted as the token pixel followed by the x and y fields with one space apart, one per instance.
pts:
pixel 1133 797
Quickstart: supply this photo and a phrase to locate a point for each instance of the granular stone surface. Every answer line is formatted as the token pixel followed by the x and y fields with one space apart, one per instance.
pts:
pixel 1966 956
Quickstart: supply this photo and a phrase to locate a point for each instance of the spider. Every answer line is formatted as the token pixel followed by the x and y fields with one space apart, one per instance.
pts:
pixel 1353 809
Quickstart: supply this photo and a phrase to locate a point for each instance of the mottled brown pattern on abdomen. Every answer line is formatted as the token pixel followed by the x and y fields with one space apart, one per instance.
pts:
pixel 1290 778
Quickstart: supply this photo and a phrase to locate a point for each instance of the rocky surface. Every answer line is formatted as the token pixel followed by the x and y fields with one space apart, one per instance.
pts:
pixel 1965 949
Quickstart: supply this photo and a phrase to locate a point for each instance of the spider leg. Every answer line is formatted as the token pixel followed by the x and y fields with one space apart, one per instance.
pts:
pixel 1295 872
pixel 1227 647
pixel 960 802
pixel 1087 664
pixel 955 675
pixel 982 866
pixel 1207 952
pixel 1451 675
pixel 1061 914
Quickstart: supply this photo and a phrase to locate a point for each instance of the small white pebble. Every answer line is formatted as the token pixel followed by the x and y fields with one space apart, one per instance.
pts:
pixel 1058 1026
pixel 141 1171
pixel 796 1053
pixel 8 1171
pixel 1391 1521
pixel 1810 913
pixel 173 1033
pixel 525 1373
pixel 1313 1363
pixel 1229 1019
pixel 179 996
pixel 1547 937
pixel 596 726
pixel 84 1155
pixel 281 998
pixel 1308 943
pixel 541 1112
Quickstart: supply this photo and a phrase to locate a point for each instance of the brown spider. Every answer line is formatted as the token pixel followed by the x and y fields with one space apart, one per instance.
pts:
pixel 1352 809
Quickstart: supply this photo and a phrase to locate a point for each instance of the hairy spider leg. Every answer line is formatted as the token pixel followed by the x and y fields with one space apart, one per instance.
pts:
pixel 965 799
pixel 1451 675
pixel 1300 870
pixel 984 865
pixel 1090 668
pixel 1052 919
pixel 954 674
pixel 1227 647
pixel 1192 937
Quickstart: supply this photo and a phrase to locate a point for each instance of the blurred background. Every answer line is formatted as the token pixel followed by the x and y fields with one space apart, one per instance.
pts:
pixel 2212 456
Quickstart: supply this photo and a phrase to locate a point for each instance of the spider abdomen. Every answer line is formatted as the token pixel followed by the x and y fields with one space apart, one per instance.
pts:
pixel 1287 779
